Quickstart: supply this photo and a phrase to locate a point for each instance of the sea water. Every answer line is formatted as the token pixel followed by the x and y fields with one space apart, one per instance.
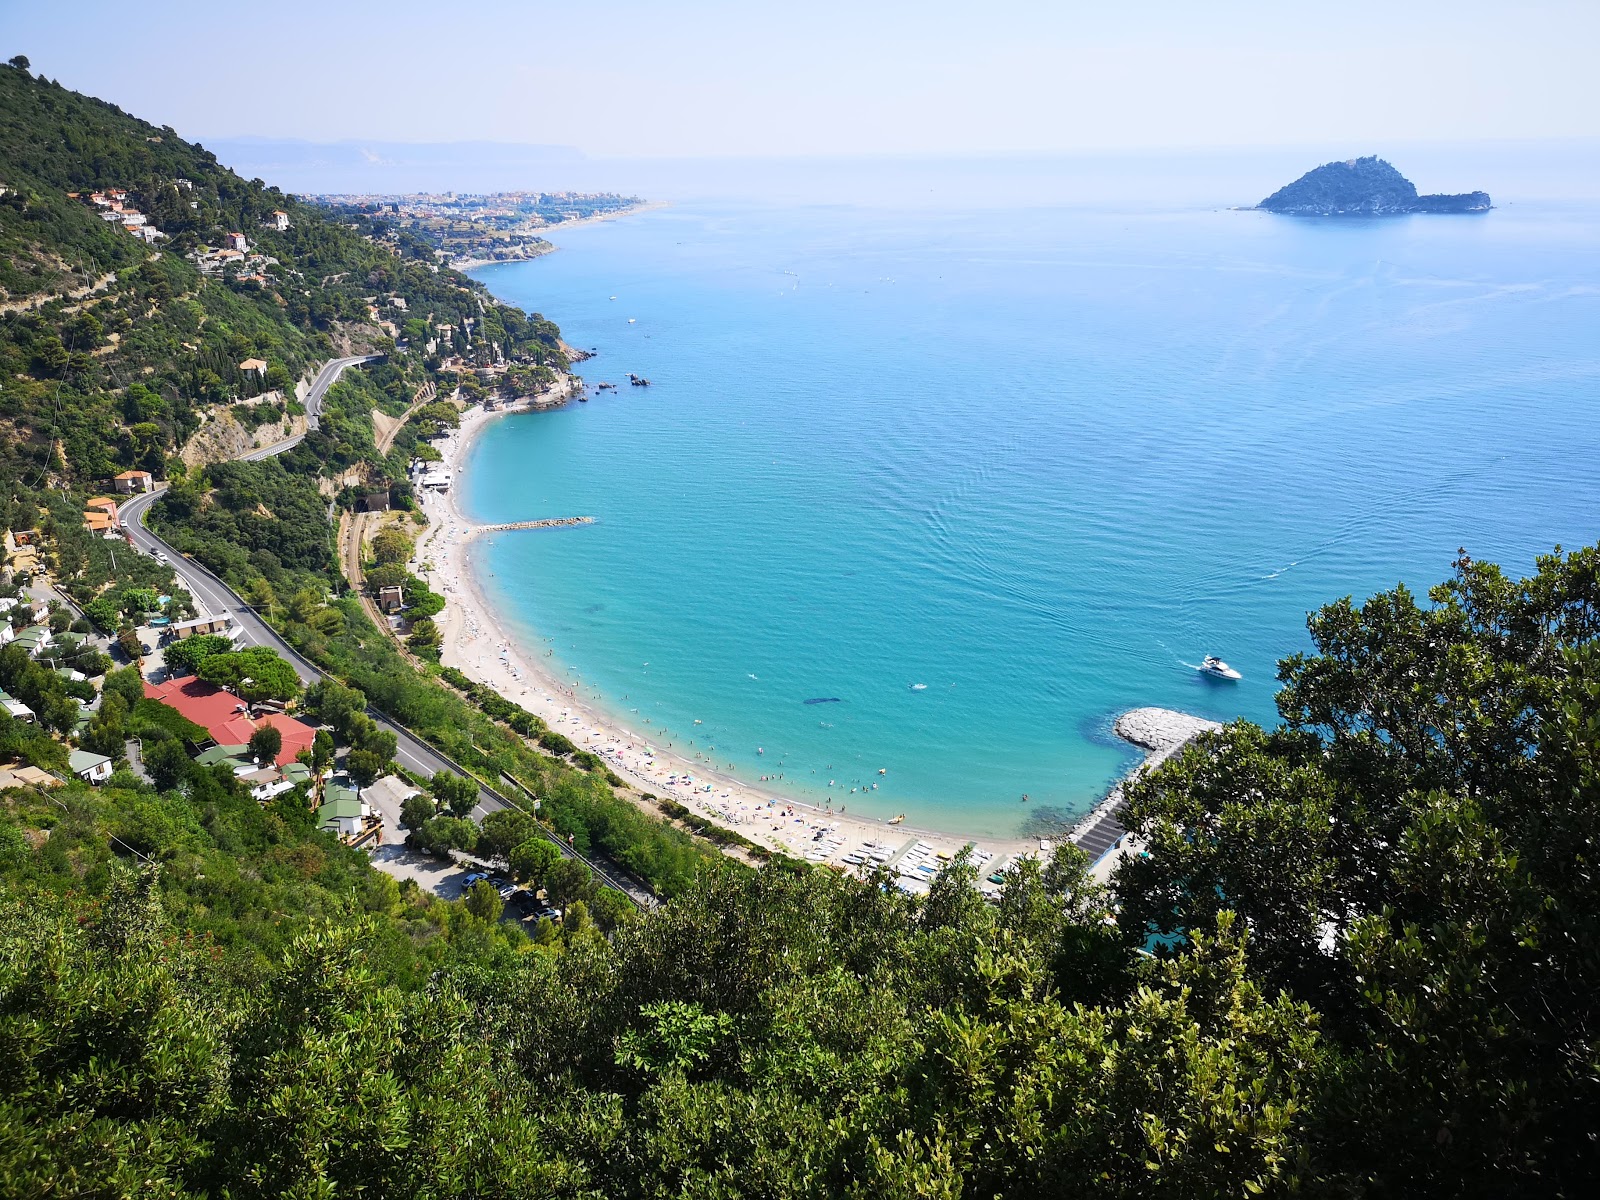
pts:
pixel 938 494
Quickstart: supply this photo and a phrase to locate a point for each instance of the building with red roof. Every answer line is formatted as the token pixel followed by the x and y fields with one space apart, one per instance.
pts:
pixel 226 717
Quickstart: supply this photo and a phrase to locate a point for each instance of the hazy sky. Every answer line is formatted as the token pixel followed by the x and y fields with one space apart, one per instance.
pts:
pixel 742 77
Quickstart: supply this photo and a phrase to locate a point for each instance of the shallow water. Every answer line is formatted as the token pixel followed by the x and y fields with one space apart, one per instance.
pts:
pixel 1040 462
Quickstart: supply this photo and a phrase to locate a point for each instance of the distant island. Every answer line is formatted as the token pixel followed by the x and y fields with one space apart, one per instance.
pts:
pixel 1364 187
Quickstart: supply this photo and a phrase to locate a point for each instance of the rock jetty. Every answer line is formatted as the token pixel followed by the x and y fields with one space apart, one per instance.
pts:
pixel 1162 732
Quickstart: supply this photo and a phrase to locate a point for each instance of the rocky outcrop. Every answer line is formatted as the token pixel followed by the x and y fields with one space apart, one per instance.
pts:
pixel 222 438
pixel 1364 187
pixel 1161 730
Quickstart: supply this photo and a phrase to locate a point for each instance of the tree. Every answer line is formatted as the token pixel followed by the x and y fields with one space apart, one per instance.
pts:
pixel 364 766
pixel 565 881
pixel 424 635
pixel 531 860
pixel 456 793
pixel 322 751
pixel 165 760
pixel 266 743
pixel 256 673
pixel 1408 852
pixel 19 61
pixel 386 575
pixel 417 811
pixel 106 734
pixel 611 908
pixel 483 901
pixel 128 642
pixel 440 835
pixel 125 682
pixel 336 706
pixel 391 546
pixel 503 829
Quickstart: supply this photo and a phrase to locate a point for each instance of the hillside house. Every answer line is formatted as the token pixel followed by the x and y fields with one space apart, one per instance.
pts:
pixel 235 241
pixel 342 812
pixel 16 709
pixel 221 623
pixel 279 220
pixel 134 481
pixel 34 639
pixel 91 768
pixel 100 515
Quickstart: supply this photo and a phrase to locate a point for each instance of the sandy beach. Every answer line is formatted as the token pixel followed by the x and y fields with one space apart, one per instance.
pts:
pixel 477 644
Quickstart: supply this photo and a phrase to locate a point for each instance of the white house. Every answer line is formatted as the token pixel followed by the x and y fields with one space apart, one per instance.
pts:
pixel 92 768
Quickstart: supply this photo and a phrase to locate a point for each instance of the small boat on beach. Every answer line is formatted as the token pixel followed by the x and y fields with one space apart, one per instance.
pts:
pixel 1213 666
pixel 897 820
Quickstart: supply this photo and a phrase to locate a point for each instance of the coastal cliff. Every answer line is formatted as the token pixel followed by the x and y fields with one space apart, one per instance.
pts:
pixel 1364 187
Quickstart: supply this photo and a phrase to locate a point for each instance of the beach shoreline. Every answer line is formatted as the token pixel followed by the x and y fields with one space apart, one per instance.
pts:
pixel 479 643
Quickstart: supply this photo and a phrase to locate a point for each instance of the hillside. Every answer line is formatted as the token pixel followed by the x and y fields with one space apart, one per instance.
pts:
pixel 120 378
pixel 1364 187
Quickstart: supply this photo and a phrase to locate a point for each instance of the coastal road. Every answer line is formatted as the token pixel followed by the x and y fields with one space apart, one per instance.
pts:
pixel 326 378
pixel 411 751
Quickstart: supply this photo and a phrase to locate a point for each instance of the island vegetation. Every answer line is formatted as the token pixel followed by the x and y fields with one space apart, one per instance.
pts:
pixel 1366 187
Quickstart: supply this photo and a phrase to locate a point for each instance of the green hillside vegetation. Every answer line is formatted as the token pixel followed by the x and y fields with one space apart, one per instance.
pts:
pixel 121 378
pixel 1374 972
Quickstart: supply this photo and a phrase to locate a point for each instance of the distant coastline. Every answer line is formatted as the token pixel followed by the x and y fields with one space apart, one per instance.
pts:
pixel 472 264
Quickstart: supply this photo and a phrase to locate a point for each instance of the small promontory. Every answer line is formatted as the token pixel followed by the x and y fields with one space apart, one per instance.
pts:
pixel 1364 187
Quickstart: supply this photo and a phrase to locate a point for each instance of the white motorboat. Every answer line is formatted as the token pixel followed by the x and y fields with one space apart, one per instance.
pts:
pixel 1217 669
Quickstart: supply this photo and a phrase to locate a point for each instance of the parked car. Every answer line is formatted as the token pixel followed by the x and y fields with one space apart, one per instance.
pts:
pixel 508 891
pixel 473 878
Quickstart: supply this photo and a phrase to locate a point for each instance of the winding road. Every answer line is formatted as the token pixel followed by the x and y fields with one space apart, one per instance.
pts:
pixel 216 597
pixel 326 378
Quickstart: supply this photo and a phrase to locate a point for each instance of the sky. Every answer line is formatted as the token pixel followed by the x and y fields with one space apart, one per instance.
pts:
pixel 714 78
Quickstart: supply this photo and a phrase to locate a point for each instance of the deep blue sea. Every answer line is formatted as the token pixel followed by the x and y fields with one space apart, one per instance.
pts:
pixel 1039 461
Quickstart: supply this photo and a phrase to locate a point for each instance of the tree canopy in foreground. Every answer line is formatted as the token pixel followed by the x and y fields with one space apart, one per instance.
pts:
pixel 1359 957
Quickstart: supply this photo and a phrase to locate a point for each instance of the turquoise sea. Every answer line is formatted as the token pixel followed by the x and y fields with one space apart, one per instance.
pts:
pixel 1039 460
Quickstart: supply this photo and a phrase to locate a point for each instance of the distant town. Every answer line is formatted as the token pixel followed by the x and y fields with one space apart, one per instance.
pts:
pixel 465 230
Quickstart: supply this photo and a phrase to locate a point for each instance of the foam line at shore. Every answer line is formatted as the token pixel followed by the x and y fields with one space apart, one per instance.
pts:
pixel 477 643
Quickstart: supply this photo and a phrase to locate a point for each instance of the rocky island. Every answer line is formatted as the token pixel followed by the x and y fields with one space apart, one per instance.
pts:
pixel 1364 187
